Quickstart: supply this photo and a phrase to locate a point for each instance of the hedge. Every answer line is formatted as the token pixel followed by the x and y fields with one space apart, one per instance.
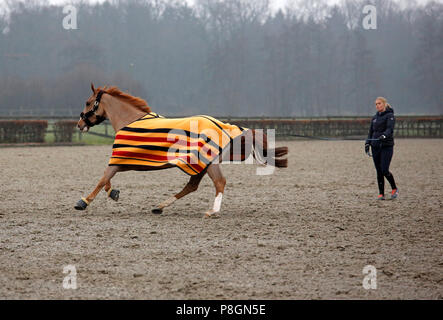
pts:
pixel 19 131
pixel 63 130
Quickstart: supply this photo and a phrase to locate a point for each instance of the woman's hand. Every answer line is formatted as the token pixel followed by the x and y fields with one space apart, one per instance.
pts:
pixel 367 148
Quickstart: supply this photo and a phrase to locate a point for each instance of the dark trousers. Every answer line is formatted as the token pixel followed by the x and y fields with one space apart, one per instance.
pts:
pixel 382 159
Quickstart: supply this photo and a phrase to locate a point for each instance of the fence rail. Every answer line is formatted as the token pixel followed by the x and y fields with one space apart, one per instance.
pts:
pixel 405 126
pixel 63 128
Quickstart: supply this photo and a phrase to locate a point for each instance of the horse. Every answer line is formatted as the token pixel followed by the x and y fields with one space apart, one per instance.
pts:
pixel 132 151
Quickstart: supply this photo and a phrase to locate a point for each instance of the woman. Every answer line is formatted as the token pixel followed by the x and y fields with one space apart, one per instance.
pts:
pixel 382 128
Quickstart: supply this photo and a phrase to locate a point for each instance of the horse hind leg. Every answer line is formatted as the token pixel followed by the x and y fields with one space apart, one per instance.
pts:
pixel 219 181
pixel 191 186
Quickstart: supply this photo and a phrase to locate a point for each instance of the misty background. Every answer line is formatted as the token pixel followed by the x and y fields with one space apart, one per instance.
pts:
pixel 224 58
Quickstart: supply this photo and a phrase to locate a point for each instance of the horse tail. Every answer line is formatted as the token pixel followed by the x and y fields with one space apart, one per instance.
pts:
pixel 260 150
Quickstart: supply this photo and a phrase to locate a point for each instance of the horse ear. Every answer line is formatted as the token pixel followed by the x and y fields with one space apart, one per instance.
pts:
pixel 92 88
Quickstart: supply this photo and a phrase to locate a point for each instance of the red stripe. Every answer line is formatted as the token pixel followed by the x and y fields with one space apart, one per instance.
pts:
pixel 176 140
pixel 187 158
pixel 205 150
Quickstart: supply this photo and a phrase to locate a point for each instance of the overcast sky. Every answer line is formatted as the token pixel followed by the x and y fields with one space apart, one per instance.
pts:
pixel 275 3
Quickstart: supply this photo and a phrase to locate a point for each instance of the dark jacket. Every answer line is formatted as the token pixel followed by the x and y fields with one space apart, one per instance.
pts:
pixel 382 124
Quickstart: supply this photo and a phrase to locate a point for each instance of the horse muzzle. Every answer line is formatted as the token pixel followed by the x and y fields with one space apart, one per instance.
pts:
pixel 82 127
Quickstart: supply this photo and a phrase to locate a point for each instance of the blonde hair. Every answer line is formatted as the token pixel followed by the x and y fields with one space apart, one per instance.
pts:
pixel 385 101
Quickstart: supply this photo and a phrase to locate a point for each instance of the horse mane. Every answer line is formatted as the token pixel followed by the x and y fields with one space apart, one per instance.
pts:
pixel 135 101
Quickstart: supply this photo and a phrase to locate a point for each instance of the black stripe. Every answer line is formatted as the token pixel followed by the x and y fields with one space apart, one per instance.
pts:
pixel 144 130
pixel 189 166
pixel 220 150
pixel 143 165
pixel 152 114
pixel 143 119
pixel 173 165
pixel 223 130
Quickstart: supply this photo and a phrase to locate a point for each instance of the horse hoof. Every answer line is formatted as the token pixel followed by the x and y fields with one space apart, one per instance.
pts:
pixel 81 205
pixel 114 194
pixel 211 216
pixel 157 211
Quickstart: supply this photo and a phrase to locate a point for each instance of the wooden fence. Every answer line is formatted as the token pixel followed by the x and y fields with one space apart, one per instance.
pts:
pixel 405 127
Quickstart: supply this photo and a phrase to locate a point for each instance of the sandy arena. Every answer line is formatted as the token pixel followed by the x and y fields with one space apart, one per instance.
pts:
pixel 305 232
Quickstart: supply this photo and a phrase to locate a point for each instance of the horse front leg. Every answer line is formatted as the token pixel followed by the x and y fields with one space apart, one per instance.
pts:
pixel 114 194
pixel 104 181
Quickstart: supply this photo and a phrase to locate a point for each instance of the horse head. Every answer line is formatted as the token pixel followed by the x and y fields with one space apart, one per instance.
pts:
pixel 92 114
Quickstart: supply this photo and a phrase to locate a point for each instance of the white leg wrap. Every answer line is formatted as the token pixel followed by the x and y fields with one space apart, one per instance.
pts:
pixel 217 202
pixel 167 202
pixel 216 207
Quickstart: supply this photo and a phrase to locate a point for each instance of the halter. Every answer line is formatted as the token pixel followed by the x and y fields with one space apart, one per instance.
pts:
pixel 85 116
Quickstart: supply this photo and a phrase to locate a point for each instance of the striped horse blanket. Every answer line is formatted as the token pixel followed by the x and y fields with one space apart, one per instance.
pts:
pixel 190 144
